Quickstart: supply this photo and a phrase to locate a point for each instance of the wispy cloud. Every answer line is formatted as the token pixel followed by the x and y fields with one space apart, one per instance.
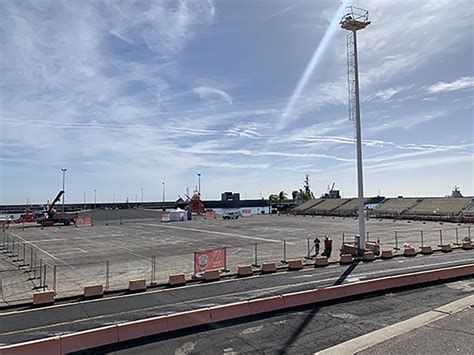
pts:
pixel 466 82
pixel 208 93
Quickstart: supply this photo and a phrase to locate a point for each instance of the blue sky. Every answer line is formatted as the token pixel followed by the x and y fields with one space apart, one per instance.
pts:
pixel 130 94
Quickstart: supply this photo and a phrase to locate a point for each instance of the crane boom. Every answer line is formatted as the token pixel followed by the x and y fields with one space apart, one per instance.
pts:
pixel 58 197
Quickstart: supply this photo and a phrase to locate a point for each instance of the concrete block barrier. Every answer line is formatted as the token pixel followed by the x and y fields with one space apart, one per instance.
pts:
pixel 137 285
pixel 189 319
pixel 230 311
pixel 43 298
pixel 346 259
pixel 329 293
pixel 386 254
pixel 295 264
pixel 466 245
pixel 177 280
pixel 211 275
pixel 142 328
pixel 427 276
pixel 89 339
pixel 93 291
pixel 409 251
pixel 245 270
pixel 458 271
pixel 299 298
pixel 321 261
pixel 50 346
pixel 368 256
pixel 269 267
pixel 446 248
pixel 266 304
pixel 426 249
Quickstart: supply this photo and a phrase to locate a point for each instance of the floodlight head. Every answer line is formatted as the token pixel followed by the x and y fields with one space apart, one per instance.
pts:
pixel 355 19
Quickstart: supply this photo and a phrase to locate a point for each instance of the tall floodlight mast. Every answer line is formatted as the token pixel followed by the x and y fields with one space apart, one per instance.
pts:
pixel 356 19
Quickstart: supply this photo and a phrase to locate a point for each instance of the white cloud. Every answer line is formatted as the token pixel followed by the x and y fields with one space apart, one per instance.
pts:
pixel 208 93
pixel 460 84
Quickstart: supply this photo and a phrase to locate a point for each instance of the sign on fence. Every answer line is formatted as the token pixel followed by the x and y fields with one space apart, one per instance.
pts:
pixel 83 221
pixel 209 214
pixel 246 212
pixel 209 259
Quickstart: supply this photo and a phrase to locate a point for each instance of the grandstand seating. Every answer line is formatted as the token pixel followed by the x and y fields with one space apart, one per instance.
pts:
pixel 439 206
pixel 307 204
pixel 394 206
pixel 349 208
pixel 327 205
pixel 469 210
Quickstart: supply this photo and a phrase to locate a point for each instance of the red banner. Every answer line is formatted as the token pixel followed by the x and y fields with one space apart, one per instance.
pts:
pixel 209 214
pixel 209 259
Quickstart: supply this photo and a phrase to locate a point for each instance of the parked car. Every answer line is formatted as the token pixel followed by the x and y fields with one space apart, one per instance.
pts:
pixel 231 215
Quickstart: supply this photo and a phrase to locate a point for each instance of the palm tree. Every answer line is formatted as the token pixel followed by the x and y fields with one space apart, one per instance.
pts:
pixel 281 197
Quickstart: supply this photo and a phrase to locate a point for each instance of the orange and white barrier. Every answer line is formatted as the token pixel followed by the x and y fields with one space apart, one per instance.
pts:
pixel 83 222
pixel 245 270
pixel 93 291
pixel 295 264
pixel 269 267
pixel 321 261
pixel 246 212
pixel 177 280
pixel 43 298
pixel 137 285
pixel 426 250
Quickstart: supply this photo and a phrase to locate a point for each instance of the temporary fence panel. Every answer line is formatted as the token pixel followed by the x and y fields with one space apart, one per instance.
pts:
pixel 165 217
pixel 246 212
pixel 83 221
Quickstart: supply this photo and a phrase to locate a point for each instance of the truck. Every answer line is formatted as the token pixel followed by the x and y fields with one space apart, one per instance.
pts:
pixel 50 216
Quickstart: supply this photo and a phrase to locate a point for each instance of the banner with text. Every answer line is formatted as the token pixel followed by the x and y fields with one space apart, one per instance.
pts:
pixel 209 259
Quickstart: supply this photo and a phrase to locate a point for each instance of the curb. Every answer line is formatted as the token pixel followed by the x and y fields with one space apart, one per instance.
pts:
pixel 113 334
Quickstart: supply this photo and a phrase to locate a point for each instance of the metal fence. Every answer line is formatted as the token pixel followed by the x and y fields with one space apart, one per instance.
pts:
pixel 24 268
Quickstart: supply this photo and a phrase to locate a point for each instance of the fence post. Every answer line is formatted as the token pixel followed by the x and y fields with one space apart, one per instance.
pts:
pixel 31 258
pixel 106 221
pixel 440 237
pixel 54 280
pixel 343 238
pixel 284 253
pixel 106 274
pixel 44 278
pixel 457 237
pixel 367 236
pixel 421 233
pixel 309 250
pixel 120 220
pixel 396 241
pixel 469 231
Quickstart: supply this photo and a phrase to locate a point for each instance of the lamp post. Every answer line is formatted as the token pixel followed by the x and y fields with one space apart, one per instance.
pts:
pixel 163 183
pixel 199 183
pixel 95 198
pixel 354 20
pixel 64 182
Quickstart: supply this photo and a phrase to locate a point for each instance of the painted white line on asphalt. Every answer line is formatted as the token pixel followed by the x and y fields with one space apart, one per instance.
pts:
pixel 368 340
pixel 214 232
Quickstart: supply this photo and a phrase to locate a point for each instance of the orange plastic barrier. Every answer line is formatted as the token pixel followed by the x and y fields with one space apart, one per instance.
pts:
pixel 211 275
pixel 43 298
pixel 89 339
pixel 266 304
pixel 346 259
pixel 299 298
pixel 137 285
pixel 189 319
pixel 368 256
pixel 142 328
pixel 446 248
pixel 321 261
pixel 50 346
pixel 466 245
pixel 93 291
pixel 177 280
pixel 295 264
pixel 245 270
pixel 230 311
pixel 269 267
pixel 426 249
pixel 409 252
pixel 386 254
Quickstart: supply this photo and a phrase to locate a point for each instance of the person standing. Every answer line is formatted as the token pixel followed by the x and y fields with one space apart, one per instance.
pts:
pixel 316 242
pixel 327 247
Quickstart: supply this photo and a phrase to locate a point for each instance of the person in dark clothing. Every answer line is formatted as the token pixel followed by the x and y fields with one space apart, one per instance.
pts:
pixel 316 242
pixel 327 247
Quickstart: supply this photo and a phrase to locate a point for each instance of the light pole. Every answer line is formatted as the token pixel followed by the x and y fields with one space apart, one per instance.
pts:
pixel 199 183
pixel 84 200
pixel 95 198
pixel 354 20
pixel 64 182
pixel 163 183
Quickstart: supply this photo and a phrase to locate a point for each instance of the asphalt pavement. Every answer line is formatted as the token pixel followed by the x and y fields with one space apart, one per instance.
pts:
pixel 67 318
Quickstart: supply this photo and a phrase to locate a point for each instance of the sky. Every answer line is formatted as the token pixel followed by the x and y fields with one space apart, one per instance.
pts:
pixel 128 95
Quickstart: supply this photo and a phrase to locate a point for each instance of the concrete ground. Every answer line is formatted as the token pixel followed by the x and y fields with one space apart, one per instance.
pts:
pixel 28 323
pixel 121 244
pixel 308 330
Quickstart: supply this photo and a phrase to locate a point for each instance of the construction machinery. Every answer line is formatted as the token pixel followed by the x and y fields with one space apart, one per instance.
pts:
pixel 50 216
